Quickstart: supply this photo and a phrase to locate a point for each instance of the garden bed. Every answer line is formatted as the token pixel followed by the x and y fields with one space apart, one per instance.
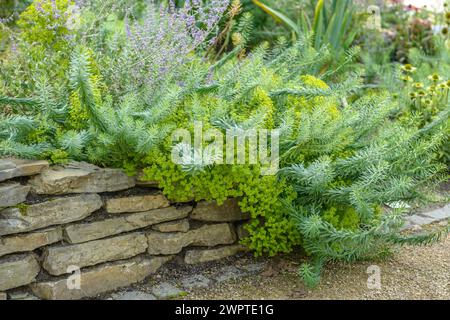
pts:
pixel 158 126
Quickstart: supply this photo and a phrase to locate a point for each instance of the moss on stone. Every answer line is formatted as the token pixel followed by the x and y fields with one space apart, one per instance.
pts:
pixel 22 208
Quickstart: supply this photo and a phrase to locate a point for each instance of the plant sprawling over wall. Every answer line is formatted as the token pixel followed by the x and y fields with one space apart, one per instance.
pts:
pixel 108 82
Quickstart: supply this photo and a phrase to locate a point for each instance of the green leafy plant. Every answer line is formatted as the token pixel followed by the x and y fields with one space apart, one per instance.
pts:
pixel 112 90
pixel 331 24
pixel 380 162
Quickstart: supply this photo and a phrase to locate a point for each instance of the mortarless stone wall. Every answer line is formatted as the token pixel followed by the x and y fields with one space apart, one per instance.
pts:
pixel 110 229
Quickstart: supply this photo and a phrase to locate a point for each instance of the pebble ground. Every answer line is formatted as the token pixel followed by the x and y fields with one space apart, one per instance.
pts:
pixel 411 273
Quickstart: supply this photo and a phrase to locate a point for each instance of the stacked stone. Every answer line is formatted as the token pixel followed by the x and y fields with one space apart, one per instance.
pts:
pixel 85 219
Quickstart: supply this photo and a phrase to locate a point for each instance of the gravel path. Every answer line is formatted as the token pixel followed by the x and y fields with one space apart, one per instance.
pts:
pixel 411 273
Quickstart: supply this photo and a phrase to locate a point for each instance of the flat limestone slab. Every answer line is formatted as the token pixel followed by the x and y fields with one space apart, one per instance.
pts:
pixel 166 290
pixel 133 295
pixel 419 220
pixel 29 241
pixel 206 255
pixel 100 279
pixel 196 281
pixel 207 235
pixel 57 260
pixel 82 232
pixel 173 226
pixel 21 294
pixel 18 270
pixel 136 203
pixel 12 193
pixel 13 168
pixel 53 212
pixel 439 214
pixel 229 273
pixel 80 177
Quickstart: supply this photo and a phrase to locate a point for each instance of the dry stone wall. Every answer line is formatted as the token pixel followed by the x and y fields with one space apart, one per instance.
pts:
pixel 75 231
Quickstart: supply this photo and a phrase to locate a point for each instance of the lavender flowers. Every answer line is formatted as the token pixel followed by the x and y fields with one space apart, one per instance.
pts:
pixel 159 45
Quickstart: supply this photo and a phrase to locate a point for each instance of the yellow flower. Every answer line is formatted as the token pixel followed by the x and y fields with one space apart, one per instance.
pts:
pixel 447 16
pixel 412 95
pixel 418 85
pixel 448 83
pixel 434 77
pixel 408 68
pixel 421 93
pixel 431 88
pixel 407 79
pixel 313 82
pixel 444 31
pixel 427 102
pixel 442 86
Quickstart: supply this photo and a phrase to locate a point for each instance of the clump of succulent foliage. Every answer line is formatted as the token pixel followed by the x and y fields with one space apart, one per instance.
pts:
pixel 108 82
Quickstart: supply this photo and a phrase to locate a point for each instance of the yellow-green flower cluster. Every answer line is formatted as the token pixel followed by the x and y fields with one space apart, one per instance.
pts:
pixel 428 97
pixel 271 229
pixel 407 71
pixel 44 32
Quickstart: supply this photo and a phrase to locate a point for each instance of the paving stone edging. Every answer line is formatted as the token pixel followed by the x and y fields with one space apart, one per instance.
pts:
pixel 416 221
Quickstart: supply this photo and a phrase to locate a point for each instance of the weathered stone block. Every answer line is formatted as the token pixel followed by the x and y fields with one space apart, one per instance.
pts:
pixel 12 193
pixel 80 177
pixel 101 279
pixel 3 296
pixel 199 256
pixel 212 235
pixel 196 281
pixel 211 211
pixel 419 220
pixel 208 235
pixel 439 214
pixel 54 212
pixel 82 232
pixel 6 164
pixel 166 290
pixel 136 203
pixel 229 273
pixel 132 296
pixel 21 294
pixel 30 241
pixel 12 168
pixel 58 259
pixel 18 270
pixel 166 243
pixel 173 226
